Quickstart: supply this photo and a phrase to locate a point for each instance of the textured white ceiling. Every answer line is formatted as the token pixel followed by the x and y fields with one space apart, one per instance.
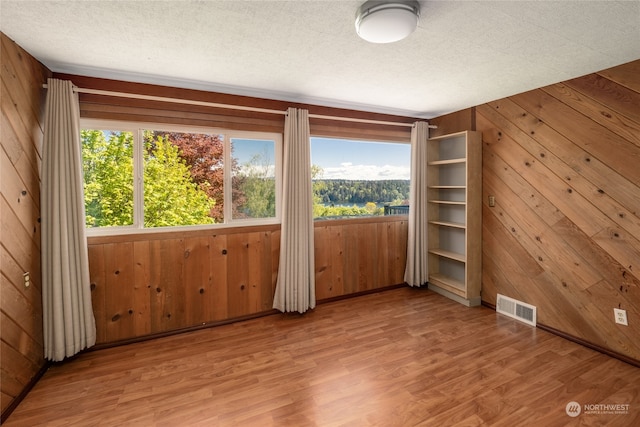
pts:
pixel 464 53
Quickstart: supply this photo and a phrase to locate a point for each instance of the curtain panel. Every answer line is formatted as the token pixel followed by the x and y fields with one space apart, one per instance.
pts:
pixel 417 268
pixel 68 321
pixel 295 286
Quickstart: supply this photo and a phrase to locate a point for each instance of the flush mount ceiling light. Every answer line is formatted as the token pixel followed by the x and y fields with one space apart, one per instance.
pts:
pixel 387 21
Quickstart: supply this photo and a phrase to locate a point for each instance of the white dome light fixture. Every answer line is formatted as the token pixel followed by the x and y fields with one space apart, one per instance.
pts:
pixel 387 21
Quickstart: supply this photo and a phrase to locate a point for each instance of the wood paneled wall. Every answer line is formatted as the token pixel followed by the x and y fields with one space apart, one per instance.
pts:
pixel 150 284
pixel 359 255
pixel 153 283
pixel 454 122
pixel 21 137
pixel 563 163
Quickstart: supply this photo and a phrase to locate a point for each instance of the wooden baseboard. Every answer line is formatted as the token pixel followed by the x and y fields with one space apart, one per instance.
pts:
pixel 580 341
pixel 19 398
pixel 359 294
pixel 148 337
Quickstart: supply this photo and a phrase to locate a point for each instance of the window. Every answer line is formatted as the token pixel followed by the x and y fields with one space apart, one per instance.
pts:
pixel 148 177
pixel 359 178
pixel 253 178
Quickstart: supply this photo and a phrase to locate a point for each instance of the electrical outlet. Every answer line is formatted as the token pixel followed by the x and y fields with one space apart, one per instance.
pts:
pixel 620 316
pixel 26 279
pixel 492 201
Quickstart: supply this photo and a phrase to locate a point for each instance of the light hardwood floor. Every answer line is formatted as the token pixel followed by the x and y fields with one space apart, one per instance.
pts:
pixel 402 357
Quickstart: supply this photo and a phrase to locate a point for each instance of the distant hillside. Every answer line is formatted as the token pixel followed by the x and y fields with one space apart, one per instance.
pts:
pixel 344 191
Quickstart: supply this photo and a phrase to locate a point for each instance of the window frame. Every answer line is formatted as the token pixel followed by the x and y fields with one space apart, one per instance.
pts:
pixel 359 139
pixel 138 172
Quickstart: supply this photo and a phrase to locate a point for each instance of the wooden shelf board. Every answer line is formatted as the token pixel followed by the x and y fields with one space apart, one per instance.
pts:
pixel 449 284
pixel 449 224
pixel 448 187
pixel 449 136
pixel 446 162
pixel 448 254
pixel 447 202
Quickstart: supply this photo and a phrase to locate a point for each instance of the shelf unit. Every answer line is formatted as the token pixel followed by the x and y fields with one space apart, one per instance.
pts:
pixel 454 215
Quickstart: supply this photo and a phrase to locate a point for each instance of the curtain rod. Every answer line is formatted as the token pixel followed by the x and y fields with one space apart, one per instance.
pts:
pixel 231 107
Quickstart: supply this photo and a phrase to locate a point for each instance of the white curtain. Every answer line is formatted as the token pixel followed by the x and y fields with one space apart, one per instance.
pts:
pixel 417 269
pixel 68 322
pixel 295 287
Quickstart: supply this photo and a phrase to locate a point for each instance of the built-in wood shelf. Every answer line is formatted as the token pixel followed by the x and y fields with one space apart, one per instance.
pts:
pixel 454 211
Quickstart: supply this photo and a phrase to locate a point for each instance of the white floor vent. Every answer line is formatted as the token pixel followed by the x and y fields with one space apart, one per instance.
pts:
pixel 518 310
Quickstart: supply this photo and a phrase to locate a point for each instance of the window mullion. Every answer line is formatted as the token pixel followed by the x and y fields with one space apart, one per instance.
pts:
pixel 228 187
pixel 138 179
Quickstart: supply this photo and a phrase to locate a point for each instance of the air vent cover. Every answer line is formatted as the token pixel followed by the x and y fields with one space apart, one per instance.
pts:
pixel 516 309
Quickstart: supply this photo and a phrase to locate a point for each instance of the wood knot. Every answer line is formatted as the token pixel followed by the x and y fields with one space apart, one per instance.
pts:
pixel 187 253
pixel 115 317
pixel 224 252
pixel 242 287
pixel 158 290
pixel 201 290
pixel 92 286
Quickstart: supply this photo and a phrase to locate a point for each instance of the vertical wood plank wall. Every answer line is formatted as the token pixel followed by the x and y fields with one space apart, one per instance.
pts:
pixel 21 137
pixel 563 163
pixel 154 283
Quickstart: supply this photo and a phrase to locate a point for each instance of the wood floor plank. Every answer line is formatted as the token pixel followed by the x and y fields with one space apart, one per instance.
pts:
pixel 403 357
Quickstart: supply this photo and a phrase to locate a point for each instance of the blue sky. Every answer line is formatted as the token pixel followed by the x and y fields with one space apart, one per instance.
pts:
pixel 349 159
pixel 344 158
